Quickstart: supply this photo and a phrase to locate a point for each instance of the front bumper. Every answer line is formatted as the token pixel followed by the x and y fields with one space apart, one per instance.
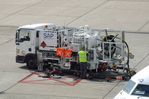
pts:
pixel 20 59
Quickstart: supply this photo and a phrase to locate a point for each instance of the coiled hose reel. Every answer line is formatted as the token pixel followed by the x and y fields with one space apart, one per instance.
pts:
pixel 106 47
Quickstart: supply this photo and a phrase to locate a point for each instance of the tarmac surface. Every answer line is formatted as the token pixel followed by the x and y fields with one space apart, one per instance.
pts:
pixel 17 82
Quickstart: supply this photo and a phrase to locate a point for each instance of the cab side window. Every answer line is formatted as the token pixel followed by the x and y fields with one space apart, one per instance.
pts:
pixel 141 90
pixel 24 35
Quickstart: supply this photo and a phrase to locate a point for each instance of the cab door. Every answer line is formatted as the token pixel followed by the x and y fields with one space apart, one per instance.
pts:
pixel 24 42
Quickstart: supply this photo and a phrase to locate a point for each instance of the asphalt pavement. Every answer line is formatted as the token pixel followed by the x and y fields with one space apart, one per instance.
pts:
pixel 17 82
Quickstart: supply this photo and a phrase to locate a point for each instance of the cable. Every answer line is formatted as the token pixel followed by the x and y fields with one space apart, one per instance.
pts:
pixel 127 54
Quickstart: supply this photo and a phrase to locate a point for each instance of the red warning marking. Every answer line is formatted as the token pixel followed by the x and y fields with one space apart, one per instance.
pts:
pixel 29 81
pixel 61 81
pixel 68 83
pixel 25 77
pixel 43 44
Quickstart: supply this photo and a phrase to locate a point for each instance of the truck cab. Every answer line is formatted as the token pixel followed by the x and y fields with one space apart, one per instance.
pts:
pixel 137 87
pixel 27 41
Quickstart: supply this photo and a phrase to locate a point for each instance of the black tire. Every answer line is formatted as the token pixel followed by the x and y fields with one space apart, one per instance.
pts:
pixel 31 63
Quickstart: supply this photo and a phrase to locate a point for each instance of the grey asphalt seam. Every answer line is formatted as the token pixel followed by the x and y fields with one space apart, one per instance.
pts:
pixel 147 55
pixel 111 90
pixel 6 42
pixel 101 4
pixel 3 92
pixel 67 97
pixel 146 23
pixel 34 4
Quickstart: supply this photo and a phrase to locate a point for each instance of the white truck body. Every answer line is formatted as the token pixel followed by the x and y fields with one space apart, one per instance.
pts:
pixel 38 43
pixel 137 87
pixel 47 39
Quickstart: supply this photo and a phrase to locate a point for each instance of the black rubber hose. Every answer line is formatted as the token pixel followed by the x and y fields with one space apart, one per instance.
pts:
pixel 127 55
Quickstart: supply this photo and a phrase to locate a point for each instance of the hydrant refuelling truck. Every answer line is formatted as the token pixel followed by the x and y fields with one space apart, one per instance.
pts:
pixel 47 45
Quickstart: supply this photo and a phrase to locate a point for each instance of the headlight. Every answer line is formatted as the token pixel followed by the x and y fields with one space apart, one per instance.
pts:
pixel 23 52
pixel 20 52
pixel 17 51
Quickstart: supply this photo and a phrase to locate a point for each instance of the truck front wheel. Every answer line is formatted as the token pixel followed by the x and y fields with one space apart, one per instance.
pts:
pixel 31 63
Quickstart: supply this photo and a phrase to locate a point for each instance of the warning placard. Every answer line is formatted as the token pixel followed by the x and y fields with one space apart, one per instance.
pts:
pixel 47 39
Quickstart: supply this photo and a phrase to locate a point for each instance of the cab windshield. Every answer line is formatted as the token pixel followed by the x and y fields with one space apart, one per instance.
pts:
pixel 129 86
pixel 141 90
pixel 23 35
